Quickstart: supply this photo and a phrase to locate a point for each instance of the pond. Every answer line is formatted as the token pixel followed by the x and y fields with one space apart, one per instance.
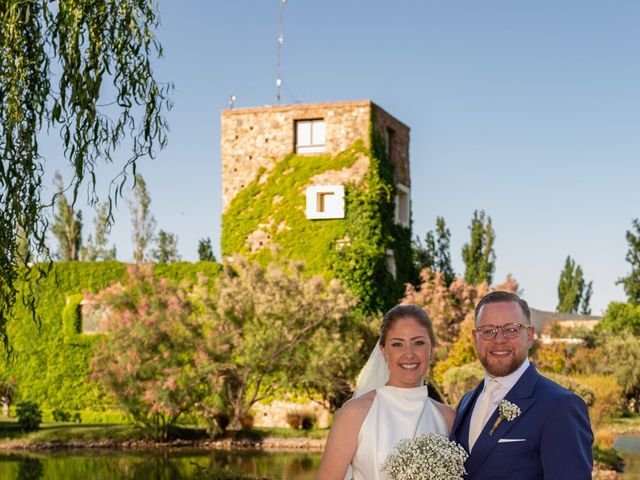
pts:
pixel 180 465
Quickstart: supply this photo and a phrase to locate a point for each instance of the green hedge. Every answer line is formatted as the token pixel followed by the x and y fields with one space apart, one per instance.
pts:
pixel 51 357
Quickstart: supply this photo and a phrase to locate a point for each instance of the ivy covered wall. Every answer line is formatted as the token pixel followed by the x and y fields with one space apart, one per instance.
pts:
pixel 270 212
pixel 50 361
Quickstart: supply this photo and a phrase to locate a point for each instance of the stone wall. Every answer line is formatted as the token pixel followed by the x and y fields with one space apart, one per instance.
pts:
pixel 275 413
pixel 259 137
pixel 399 148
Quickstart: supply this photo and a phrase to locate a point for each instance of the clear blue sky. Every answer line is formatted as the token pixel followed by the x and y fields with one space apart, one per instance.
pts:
pixel 528 110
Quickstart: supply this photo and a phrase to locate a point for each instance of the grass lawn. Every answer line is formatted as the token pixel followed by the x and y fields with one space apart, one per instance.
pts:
pixel 67 432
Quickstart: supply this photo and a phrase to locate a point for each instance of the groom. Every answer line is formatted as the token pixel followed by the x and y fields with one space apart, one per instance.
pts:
pixel 550 437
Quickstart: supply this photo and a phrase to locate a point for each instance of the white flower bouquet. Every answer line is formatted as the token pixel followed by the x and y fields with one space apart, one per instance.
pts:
pixel 427 457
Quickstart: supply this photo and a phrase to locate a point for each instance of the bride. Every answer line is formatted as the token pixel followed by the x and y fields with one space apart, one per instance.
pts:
pixel 390 403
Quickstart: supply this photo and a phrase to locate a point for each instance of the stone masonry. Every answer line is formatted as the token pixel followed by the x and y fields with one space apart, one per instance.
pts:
pixel 259 137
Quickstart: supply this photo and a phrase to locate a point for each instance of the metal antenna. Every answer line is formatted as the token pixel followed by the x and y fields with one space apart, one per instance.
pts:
pixel 280 43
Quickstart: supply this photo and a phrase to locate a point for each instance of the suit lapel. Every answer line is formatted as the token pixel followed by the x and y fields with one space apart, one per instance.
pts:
pixel 520 395
pixel 467 402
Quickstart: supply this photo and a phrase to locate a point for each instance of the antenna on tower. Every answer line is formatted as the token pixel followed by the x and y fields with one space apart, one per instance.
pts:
pixel 280 43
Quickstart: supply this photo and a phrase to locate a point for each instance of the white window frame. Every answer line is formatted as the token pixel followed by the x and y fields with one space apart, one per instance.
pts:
pixel 317 136
pixel 403 205
pixel 390 258
pixel 325 201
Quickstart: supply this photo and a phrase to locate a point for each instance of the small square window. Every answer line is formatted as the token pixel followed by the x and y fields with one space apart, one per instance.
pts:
pixel 325 201
pixel 92 318
pixel 403 205
pixel 310 136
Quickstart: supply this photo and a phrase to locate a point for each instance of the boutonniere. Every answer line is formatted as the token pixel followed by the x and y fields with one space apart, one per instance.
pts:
pixel 507 411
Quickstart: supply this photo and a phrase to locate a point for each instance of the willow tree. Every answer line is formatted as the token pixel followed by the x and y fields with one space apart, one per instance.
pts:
pixel 81 70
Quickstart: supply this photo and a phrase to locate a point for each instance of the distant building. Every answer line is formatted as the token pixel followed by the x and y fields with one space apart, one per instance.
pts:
pixel 325 183
pixel 545 322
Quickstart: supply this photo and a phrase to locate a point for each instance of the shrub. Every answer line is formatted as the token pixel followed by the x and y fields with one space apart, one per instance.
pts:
pixel 458 380
pixel 607 458
pixel 608 397
pixel 583 391
pixel 301 420
pixel 29 416
pixel 60 416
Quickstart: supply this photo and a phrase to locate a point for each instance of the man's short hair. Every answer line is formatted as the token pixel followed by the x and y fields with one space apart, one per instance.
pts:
pixel 500 296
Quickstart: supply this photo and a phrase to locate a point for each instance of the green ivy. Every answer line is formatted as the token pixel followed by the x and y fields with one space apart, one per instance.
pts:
pixel 275 202
pixel 51 360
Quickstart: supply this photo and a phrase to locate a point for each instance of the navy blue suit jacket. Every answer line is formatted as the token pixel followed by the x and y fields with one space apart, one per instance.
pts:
pixel 553 434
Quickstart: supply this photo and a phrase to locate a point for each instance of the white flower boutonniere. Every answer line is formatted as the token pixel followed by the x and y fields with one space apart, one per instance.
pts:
pixel 507 411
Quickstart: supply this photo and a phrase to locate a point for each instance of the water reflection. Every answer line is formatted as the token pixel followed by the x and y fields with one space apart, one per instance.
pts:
pixel 106 465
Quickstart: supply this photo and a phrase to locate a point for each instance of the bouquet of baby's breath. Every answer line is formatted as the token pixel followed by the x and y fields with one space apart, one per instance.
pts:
pixel 427 457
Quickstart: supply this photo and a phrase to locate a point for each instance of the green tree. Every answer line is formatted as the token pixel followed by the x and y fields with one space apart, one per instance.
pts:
pixel 166 250
pixel 98 250
pixel 205 250
pixel 435 254
pixel 478 255
pixel 620 319
pixel 67 225
pixel 631 282
pixel 275 316
pixel 143 221
pixel 82 70
pixel 574 293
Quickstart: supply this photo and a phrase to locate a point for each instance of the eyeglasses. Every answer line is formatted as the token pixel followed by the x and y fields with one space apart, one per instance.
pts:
pixel 509 331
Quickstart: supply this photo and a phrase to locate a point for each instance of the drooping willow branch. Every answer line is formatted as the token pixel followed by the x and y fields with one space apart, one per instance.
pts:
pixel 81 68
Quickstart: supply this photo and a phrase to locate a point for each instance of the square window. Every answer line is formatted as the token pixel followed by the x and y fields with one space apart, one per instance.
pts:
pixel 325 201
pixel 310 136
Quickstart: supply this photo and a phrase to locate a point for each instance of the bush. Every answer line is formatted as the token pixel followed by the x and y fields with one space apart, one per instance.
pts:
pixel 458 380
pixel 301 420
pixel 29 416
pixel 60 416
pixel 607 458
pixel 608 397
pixel 583 391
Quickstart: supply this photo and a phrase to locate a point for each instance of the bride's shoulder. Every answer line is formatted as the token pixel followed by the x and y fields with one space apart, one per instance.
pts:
pixel 357 408
pixel 446 411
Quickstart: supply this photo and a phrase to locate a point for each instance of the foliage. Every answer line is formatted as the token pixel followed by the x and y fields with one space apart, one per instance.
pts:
pixel 152 359
pixel 607 458
pixel 167 248
pixel 272 316
pixel 573 291
pixel 51 364
pixel 620 318
pixel 142 220
pixel 550 357
pixel 335 357
pixel 447 306
pixel 83 70
pixel 571 383
pixel 97 250
pixel 29 416
pixel 352 249
pixel 67 225
pixel 479 256
pixel 457 381
pixel 8 390
pixel 205 250
pixel 631 282
pixel 435 254
pixel 301 420
pixel 608 397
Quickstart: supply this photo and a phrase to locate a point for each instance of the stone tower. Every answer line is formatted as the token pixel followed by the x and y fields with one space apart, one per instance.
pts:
pixel 327 183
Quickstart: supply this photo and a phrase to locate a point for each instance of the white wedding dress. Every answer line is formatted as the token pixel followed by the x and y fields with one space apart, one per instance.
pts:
pixel 396 413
